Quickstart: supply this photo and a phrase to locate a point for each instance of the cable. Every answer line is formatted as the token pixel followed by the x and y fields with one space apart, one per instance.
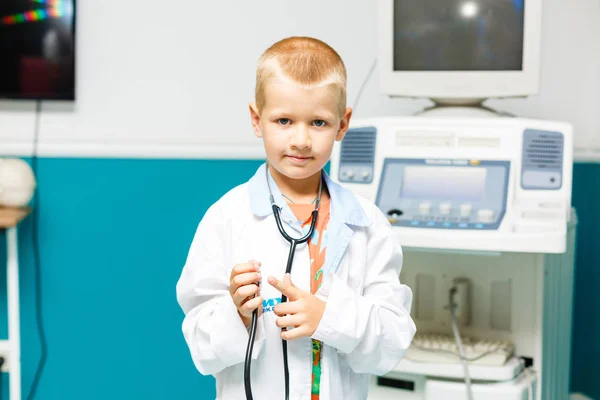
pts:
pixel 364 84
pixel 530 373
pixel 471 359
pixel 530 386
pixel 2 361
pixel 461 351
pixel 36 253
pixel 248 359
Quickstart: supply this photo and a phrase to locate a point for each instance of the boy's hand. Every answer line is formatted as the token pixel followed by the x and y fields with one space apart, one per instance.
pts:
pixel 245 290
pixel 305 310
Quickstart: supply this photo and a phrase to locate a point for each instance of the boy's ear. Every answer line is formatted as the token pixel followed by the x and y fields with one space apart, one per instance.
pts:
pixel 255 119
pixel 344 124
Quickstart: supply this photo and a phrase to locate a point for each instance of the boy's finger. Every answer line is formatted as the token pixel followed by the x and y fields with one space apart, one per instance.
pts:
pixel 294 333
pixel 288 289
pixel 245 279
pixel 244 292
pixel 251 305
pixel 289 307
pixel 252 266
pixel 288 320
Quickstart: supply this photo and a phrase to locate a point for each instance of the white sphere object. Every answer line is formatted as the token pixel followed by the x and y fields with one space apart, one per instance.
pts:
pixel 17 182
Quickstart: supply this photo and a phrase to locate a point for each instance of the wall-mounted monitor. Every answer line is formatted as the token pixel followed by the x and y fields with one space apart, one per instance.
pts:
pixel 37 49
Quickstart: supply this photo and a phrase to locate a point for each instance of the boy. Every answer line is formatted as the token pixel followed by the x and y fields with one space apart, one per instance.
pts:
pixel 347 315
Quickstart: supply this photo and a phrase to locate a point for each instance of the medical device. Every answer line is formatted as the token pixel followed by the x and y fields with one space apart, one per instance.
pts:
pixel 482 209
pixel 288 269
pixel 459 51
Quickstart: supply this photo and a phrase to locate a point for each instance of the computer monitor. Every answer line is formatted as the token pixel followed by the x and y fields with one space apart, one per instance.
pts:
pixel 459 51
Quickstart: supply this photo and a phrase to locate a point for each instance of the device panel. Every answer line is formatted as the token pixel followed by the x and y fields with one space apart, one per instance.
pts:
pixel 444 193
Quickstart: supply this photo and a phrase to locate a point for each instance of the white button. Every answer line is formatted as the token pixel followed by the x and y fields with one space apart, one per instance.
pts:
pixel 350 173
pixel 445 208
pixel 365 174
pixel 486 216
pixel 425 207
pixel 465 210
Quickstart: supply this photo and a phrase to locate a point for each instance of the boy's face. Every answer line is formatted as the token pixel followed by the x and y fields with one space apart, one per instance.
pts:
pixel 299 126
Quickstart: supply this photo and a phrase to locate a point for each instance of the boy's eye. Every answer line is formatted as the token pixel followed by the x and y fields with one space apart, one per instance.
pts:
pixel 283 121
pixel 319 123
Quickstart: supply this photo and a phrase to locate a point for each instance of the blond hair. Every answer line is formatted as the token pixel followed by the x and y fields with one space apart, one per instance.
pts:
pixel 307 61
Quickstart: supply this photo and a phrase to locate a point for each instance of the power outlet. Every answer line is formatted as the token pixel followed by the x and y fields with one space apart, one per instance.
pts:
pixel 462 301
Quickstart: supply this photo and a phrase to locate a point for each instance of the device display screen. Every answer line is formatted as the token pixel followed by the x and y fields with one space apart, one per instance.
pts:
pixel 444 183
pixel 37 49
pixel 458 35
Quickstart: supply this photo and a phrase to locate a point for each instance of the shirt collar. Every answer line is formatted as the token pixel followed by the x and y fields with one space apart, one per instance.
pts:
pixel 347 208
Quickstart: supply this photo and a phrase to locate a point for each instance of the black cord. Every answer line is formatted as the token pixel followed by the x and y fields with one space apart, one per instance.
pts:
pixel 364 84
pixel 288 269
pixel 36 254
pixel 2 361
pixel 248 360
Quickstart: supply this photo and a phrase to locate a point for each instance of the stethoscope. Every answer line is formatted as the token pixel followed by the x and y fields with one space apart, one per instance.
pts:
pixel 293 243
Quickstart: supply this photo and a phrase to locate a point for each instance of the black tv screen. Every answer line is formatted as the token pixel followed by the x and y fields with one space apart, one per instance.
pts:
pixel 37 49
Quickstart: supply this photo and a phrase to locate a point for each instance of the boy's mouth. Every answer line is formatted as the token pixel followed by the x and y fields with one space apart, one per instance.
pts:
pixel 298 158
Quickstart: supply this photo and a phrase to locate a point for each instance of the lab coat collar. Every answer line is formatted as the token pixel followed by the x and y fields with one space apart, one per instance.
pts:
pixel 347 208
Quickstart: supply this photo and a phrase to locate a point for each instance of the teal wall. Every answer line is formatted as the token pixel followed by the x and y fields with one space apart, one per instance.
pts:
pixel 585 369
pixel 114 235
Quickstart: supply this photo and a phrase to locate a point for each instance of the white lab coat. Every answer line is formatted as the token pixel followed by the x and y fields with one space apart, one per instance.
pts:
pixel 366 327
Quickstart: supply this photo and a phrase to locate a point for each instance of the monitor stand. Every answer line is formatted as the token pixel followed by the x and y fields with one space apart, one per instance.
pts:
pixel 473 108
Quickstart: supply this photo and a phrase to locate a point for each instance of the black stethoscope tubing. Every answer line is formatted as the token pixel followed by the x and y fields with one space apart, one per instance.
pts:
pixel 288 269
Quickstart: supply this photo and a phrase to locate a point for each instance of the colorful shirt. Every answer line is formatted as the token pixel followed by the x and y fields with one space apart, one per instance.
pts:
pixel 317 247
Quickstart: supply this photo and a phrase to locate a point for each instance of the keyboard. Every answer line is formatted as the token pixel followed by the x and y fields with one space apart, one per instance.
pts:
pixel 442 349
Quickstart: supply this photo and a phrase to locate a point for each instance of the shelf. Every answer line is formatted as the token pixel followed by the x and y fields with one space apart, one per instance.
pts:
pixel 433 388
pixel 483 241
pixel 11 217
pixel 455 371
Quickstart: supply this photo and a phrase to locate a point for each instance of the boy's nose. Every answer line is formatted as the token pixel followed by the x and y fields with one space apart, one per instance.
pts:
pixel 301 138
